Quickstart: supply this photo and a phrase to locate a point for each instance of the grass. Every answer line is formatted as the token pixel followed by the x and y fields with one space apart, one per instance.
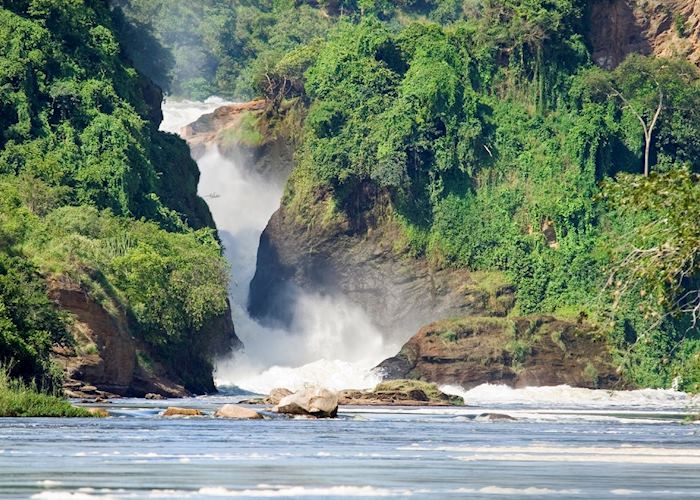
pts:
pixel 21 400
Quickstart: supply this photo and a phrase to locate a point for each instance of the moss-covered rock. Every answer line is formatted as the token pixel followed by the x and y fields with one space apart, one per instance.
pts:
pixel 401 392
pixel 526 351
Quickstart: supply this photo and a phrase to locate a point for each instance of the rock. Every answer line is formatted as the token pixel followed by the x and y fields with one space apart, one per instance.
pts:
pixel 182 412
pixel 276 395
pixel 356 257
pixel 316 402
pixel 237 412
pixel 151 395
pixel 518 352
pixel 621 27
pixel 401 393
pixel 98 412
pixel 88 389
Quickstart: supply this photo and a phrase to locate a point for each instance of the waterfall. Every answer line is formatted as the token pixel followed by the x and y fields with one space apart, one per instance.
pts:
pixel 331 341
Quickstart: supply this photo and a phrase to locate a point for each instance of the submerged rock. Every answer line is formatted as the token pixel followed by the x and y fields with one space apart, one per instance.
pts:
pixel 151 395
pixel 315 402
pixel 401 393
pixel 494 417
pixel 237 412
pixel 182 412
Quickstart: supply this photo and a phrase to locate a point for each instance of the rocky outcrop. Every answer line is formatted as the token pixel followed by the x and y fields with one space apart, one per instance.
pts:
pixel 314 402
pixel 242 133
pixel 519 352
pixel 108 360
pixel 400 393
pixel 665 28
pixel 362 263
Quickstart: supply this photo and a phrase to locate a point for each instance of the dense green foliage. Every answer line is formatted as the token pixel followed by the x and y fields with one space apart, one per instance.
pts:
pixel 491 137
pixel 481 126
pixel 90 190
pixel 227 47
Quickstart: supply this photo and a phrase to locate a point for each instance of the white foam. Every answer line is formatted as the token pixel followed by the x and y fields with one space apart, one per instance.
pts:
pixel 68 495
pixel 48 483
pixel 529 491
pixel 622 454
pixel 566 396
pixel 304 491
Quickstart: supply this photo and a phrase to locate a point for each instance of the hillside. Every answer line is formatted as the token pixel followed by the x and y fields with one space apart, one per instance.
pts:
pixel 436 159
pixel 109 261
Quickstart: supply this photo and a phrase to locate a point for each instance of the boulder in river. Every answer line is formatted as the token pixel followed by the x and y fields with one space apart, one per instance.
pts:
pixel 276 395
pixel 98 412
pixel 182 412
pixel 315 402
pixel 237 412
pixel 401 393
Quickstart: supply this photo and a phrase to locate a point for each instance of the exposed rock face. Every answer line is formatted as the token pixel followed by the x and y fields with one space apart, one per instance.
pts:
pixel 361 263
pixel 518 352
pixel 317 402
pixel 659 27
pixel 105 360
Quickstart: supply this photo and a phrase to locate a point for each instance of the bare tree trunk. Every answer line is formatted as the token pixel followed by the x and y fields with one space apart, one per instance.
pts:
pixel 647 128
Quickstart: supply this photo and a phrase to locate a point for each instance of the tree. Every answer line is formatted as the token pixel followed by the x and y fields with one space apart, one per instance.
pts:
pixel 661 257
pixel 654 92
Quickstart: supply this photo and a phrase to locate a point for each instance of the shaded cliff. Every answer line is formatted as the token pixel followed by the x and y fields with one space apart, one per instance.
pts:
pixel 108 357
pixel 363 261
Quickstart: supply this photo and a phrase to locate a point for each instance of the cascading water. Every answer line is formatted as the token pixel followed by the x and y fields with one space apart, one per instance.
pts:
pixel 330 342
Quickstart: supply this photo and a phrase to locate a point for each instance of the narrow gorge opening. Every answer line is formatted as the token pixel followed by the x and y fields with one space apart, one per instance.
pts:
pixel 330 340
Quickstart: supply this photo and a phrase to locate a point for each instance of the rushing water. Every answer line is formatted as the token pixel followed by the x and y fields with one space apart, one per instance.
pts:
pixel 558 442
pixel 589 450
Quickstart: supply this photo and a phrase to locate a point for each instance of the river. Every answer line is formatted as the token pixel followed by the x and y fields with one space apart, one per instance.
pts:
pixel 609 445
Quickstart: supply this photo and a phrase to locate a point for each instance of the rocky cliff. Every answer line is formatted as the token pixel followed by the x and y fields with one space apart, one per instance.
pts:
pixel 519 352
pixel 243 134
pixel 360 261
pixel 108 359
pixel 665 28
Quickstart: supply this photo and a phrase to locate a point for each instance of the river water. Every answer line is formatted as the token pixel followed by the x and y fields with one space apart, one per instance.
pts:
pixel 561 443
pixel 606 446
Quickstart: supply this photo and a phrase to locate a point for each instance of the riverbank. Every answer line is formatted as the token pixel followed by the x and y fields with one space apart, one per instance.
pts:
pixel 20 400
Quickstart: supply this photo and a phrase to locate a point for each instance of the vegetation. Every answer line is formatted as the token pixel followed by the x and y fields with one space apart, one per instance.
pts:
pixel 500 147
pixel 90 190
pixel 483 126
pixel 20 400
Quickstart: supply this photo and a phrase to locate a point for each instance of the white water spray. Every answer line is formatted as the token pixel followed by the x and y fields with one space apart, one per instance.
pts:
pixel 331 341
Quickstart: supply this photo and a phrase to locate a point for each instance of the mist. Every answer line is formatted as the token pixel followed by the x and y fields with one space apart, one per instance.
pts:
pixel 330 341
